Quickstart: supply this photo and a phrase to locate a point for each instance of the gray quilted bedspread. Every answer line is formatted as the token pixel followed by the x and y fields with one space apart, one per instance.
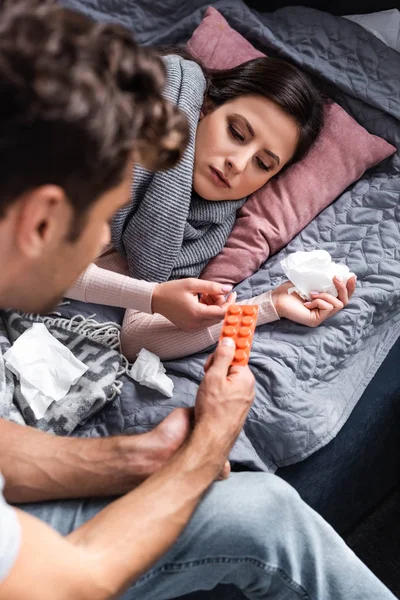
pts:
pixel 308 380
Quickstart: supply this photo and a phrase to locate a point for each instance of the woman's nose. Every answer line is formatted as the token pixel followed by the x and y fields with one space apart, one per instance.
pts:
pixel 237 164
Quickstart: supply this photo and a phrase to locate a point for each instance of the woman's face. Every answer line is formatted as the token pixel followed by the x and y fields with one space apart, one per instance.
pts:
pixel 240 146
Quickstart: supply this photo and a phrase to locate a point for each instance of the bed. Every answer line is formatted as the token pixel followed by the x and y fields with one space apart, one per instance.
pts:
pixel 342 479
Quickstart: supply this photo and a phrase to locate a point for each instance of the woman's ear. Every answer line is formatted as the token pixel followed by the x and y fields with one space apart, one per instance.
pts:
pixel 207 107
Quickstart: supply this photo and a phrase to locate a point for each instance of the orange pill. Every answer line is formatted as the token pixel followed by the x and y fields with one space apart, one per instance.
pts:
pixel 239 326
pixel 232 320
pixel 240 355
pixel 242 343
pixel 248 321
pixel 229 331
pixel 244 332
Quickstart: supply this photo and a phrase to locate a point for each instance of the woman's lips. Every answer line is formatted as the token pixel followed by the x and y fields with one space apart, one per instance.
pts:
pixel 218 178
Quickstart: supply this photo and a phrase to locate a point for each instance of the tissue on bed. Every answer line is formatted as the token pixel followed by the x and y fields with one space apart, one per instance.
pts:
pixel 148 370
pixel 45 368
pixel 313 272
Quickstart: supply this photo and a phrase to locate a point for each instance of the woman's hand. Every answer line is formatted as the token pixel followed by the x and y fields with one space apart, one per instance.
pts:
pixel 321 307
pixel 212 300
pixel 181 302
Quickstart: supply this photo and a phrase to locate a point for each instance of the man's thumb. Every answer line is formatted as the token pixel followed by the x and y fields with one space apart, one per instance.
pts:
pixel 223 356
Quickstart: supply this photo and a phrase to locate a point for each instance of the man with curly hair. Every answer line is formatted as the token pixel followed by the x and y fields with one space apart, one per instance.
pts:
pixel 78 103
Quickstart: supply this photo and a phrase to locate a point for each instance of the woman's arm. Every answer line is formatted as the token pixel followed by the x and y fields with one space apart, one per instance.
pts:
pixel 158 335
pixel 177 301
pixel 167 341
pixel 102 286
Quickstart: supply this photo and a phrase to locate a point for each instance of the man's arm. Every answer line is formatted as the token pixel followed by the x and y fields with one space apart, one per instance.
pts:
pixel 39 466
pixel 102 557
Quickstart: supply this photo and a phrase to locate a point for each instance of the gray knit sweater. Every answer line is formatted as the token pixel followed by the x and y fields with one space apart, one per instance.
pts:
pixel 168 231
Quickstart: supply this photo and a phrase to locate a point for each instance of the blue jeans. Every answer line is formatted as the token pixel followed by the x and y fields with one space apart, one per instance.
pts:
pixel 252 531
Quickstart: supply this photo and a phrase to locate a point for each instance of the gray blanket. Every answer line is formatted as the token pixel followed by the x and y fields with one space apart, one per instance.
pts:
pixel 308 380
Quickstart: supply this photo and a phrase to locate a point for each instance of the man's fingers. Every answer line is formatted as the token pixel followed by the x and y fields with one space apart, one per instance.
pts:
pixel 209 362
pixel 223 357
pixel 226 471
pixel 245 376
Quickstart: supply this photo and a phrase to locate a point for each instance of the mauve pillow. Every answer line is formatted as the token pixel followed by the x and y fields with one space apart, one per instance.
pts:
pixel 277 212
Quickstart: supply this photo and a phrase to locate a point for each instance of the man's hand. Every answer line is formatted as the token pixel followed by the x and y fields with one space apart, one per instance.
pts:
pixel 224 399
pixel 322 306
pixel 105 554
pixel 179 301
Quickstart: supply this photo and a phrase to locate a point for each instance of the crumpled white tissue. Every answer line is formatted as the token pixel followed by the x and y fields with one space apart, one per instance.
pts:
pixel 148 370
pixel 45 368
pixel 313 272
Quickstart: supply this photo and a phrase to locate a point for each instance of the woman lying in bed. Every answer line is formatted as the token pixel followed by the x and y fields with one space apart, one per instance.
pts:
pixel 247 124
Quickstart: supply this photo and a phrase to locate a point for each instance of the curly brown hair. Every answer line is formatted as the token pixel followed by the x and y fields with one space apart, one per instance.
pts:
pixel 77 99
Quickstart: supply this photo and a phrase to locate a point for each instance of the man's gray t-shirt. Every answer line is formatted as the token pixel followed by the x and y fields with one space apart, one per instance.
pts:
pixel 10 535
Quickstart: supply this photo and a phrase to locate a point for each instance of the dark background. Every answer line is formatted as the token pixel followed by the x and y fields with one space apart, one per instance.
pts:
pixel 336 7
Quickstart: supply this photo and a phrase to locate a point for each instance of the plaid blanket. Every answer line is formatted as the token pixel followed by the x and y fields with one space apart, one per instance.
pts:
pixel 95 344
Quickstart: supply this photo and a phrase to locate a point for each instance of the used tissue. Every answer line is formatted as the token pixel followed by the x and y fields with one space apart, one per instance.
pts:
pixel 148 370
pixel 313 272
pixel 45 368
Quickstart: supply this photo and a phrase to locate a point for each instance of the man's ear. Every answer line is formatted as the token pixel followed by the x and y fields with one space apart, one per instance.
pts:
pixel 44 217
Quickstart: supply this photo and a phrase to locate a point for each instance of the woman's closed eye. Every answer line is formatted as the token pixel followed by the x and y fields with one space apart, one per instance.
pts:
pixel 262 165
pixel 236 134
